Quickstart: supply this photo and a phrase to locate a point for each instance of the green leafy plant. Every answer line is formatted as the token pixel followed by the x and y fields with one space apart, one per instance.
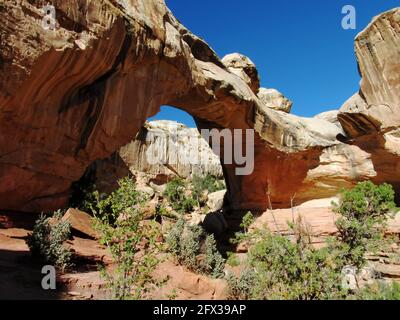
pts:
pixel 213 262
pixel 280 267
pixel 242 287
pixel 363 216
pixel 176 193
pixel 47 240
pixel 379 291
pixel 194 249
pixel 232 260
pixel 132 243
pixel 208 183
pixel 287 270
pixel 247 221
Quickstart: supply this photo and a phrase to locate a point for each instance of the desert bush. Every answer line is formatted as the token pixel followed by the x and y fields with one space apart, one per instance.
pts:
pixel 232 260
pixel 379 291
pixel 47 240
pixel 126 198
pixel 247 221
pixel 213 262
pixel 132 244
pixel 190 246
pixel 282 268
pixel 287 270
pixel 241 288
pixel 208 183
pixel 176 194
pixel 363 216
pixel 196 250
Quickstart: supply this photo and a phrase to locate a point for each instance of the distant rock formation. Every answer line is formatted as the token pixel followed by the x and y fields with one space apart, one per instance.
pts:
pixel 79 93
pixel 171 148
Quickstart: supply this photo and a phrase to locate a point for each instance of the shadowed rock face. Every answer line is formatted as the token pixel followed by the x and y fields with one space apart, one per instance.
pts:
pixel 77 94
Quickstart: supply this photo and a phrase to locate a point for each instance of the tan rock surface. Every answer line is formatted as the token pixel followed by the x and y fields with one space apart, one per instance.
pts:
pixel 81 221
pixel 170 148
pixel 275 100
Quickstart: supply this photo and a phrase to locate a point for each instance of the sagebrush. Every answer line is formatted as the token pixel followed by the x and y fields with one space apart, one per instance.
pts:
pixel 47 240
pixel 195 249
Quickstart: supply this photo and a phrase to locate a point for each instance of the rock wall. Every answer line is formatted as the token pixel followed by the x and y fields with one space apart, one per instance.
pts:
pixel 76 94
pixel 170 148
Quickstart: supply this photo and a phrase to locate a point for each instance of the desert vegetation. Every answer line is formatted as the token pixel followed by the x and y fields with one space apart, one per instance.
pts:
pixel 195 249
pixel 47 241
pixel 281 267
pixel 277 266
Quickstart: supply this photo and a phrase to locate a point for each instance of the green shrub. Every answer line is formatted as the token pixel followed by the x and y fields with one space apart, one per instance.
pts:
pixel 187 205
pixel 48 238
pixel 174 190
pixel 242 287
pixel 196 250
pixel 213 262
pixel 283 268
pixel 292 271
pixel 190 246
pixel 247 221
pixel 176 194
pixel 208 183
pixel 379 291
pixel 125 198
pixel 120 224
pixel 363 215
pixel 232 260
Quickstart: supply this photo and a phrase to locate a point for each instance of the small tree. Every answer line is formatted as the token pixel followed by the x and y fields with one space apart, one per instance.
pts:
pixel 131 243
pixel 363 215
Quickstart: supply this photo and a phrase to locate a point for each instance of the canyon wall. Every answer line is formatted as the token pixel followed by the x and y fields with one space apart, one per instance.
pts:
pixel 78 93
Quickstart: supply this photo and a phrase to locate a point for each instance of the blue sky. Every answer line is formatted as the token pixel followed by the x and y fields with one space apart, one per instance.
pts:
pixel 299 46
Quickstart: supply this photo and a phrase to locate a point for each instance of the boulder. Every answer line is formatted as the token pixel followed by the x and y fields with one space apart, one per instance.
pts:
pixel 275 100
pixel 187 285
pixel 349 278
pixel 147 191
pixel 215 200
pixel 160 189
pixel 244 68
pixel 80 221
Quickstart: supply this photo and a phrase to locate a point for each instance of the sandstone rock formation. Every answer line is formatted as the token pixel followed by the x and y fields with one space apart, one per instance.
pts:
pixel 244 68
pixel 167 147
pixel 371 118
pixel 82 222
pixel 275 99
pixel 78 93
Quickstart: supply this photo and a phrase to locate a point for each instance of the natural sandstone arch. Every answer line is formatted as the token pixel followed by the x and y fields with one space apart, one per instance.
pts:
pixel 79 93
